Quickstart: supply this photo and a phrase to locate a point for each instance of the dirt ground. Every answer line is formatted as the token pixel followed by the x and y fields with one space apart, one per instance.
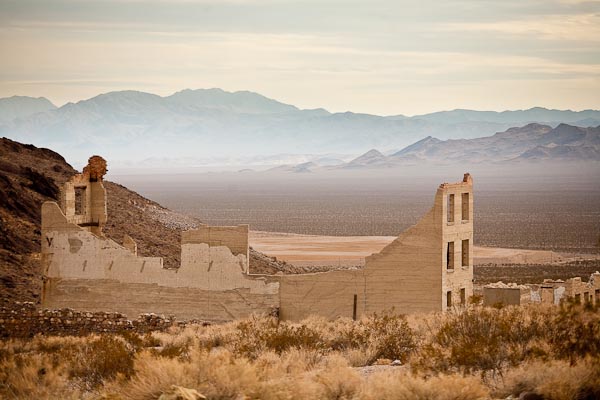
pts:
pixel 312 250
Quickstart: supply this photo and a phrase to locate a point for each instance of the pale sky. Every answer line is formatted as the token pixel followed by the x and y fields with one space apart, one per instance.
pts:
pixel 379 57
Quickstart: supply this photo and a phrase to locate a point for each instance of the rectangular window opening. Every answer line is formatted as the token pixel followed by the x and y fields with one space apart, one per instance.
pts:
pixel 463 296
pixel 597 296
pixel 578 298
pixel 465 253
pixel 450 208
pixel 586 297
pixel 449 298
pixel 79 200
pixel 465 207
pixel 450 256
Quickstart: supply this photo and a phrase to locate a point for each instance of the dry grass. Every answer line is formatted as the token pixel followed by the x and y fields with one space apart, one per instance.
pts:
pixel 471 354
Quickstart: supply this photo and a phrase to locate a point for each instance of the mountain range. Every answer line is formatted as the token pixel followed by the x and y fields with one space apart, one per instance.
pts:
pixel 212 124
pixel 532 142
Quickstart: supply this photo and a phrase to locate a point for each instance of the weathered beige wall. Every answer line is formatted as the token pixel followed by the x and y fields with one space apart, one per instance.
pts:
pixel 133 299
pixel 409 275
pixel 461 277
pixel 504 296
pixel 94 205
pixel 329 294
pixel 88 271
pixel 73 254
pixel 233 237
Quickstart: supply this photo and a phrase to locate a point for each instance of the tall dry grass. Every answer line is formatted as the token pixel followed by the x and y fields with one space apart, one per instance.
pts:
pixel 468 354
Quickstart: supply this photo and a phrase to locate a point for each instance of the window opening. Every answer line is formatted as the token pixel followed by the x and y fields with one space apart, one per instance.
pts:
pixel 465 253
pixel 450 208
pixel 465 207
pixel 80 200
pixel 450 256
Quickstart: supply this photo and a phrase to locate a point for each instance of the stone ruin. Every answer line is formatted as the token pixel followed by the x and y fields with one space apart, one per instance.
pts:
pixel 549 292
pixel 429 267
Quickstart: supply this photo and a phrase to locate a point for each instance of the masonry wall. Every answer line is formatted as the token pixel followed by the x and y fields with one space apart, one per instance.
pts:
pixel 461 228
pixel 329 294
pixel 85 270
pixel 94 273
pixel 94 213
pixel 24 320
pixel 409 275
pixel 505 296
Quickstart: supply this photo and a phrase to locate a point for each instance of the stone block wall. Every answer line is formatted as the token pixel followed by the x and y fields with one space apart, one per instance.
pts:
pixel 409 275
pixel 87 271
pixel 26 320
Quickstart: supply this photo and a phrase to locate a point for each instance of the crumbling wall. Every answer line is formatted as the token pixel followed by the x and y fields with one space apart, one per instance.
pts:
pixel 329 294
pixel 84 197
pixel 85 270
pixel 549 292
pixel 507 295
pixel 409 275
pixel 24 320
pixel 457 282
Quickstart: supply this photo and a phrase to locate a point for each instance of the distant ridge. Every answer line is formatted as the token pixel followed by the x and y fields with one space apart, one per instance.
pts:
pixel 371 157
pixel 531 142
pixel 22 106
pixel 201 123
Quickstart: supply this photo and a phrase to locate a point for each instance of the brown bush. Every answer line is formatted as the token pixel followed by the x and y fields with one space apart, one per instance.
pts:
pixel 554 380
pixel 101 359
pixel 576 331
pixel 486 339
pixel 266 333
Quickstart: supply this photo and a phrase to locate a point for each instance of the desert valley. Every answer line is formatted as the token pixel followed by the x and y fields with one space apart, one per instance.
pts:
pixel 276 200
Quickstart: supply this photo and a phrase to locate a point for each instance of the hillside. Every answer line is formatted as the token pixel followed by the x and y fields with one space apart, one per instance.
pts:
pixel 532 142
pixel 30 175
pixel 194 125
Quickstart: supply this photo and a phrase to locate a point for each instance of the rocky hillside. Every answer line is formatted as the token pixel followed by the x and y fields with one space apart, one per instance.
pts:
pixel 30 175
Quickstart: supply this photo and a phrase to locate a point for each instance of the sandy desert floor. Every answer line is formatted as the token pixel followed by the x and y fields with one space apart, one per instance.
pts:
pixel 351 250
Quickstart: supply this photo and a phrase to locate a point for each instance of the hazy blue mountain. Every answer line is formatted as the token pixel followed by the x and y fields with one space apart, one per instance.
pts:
pixel 201 124
pixel 520 117
pixel 239 102
pixel 22 106
pixel 371 157
pixel 530 142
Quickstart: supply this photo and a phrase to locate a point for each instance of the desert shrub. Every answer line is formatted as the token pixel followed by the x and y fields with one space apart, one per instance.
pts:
pixel 398 385
pixel 152 376
pixel 172 350
pixel 34 376
pixel 554 380
pixel 486 339
pixel 265 333
pixel 337 380
pixel 575 331
pixel 384 335
pixel 391 336
pixel 101 359
pixel 136 341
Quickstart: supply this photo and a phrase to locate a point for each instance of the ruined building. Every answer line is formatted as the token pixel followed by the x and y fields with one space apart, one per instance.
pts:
pixel 427 268
pixel 549 292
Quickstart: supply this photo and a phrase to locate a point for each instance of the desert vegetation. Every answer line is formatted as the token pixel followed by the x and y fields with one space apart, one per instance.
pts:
pixel 534 273
pixel 474 353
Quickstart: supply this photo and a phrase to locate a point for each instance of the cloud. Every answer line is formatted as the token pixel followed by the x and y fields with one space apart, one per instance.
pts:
pixel 392 56
pixel 581 28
